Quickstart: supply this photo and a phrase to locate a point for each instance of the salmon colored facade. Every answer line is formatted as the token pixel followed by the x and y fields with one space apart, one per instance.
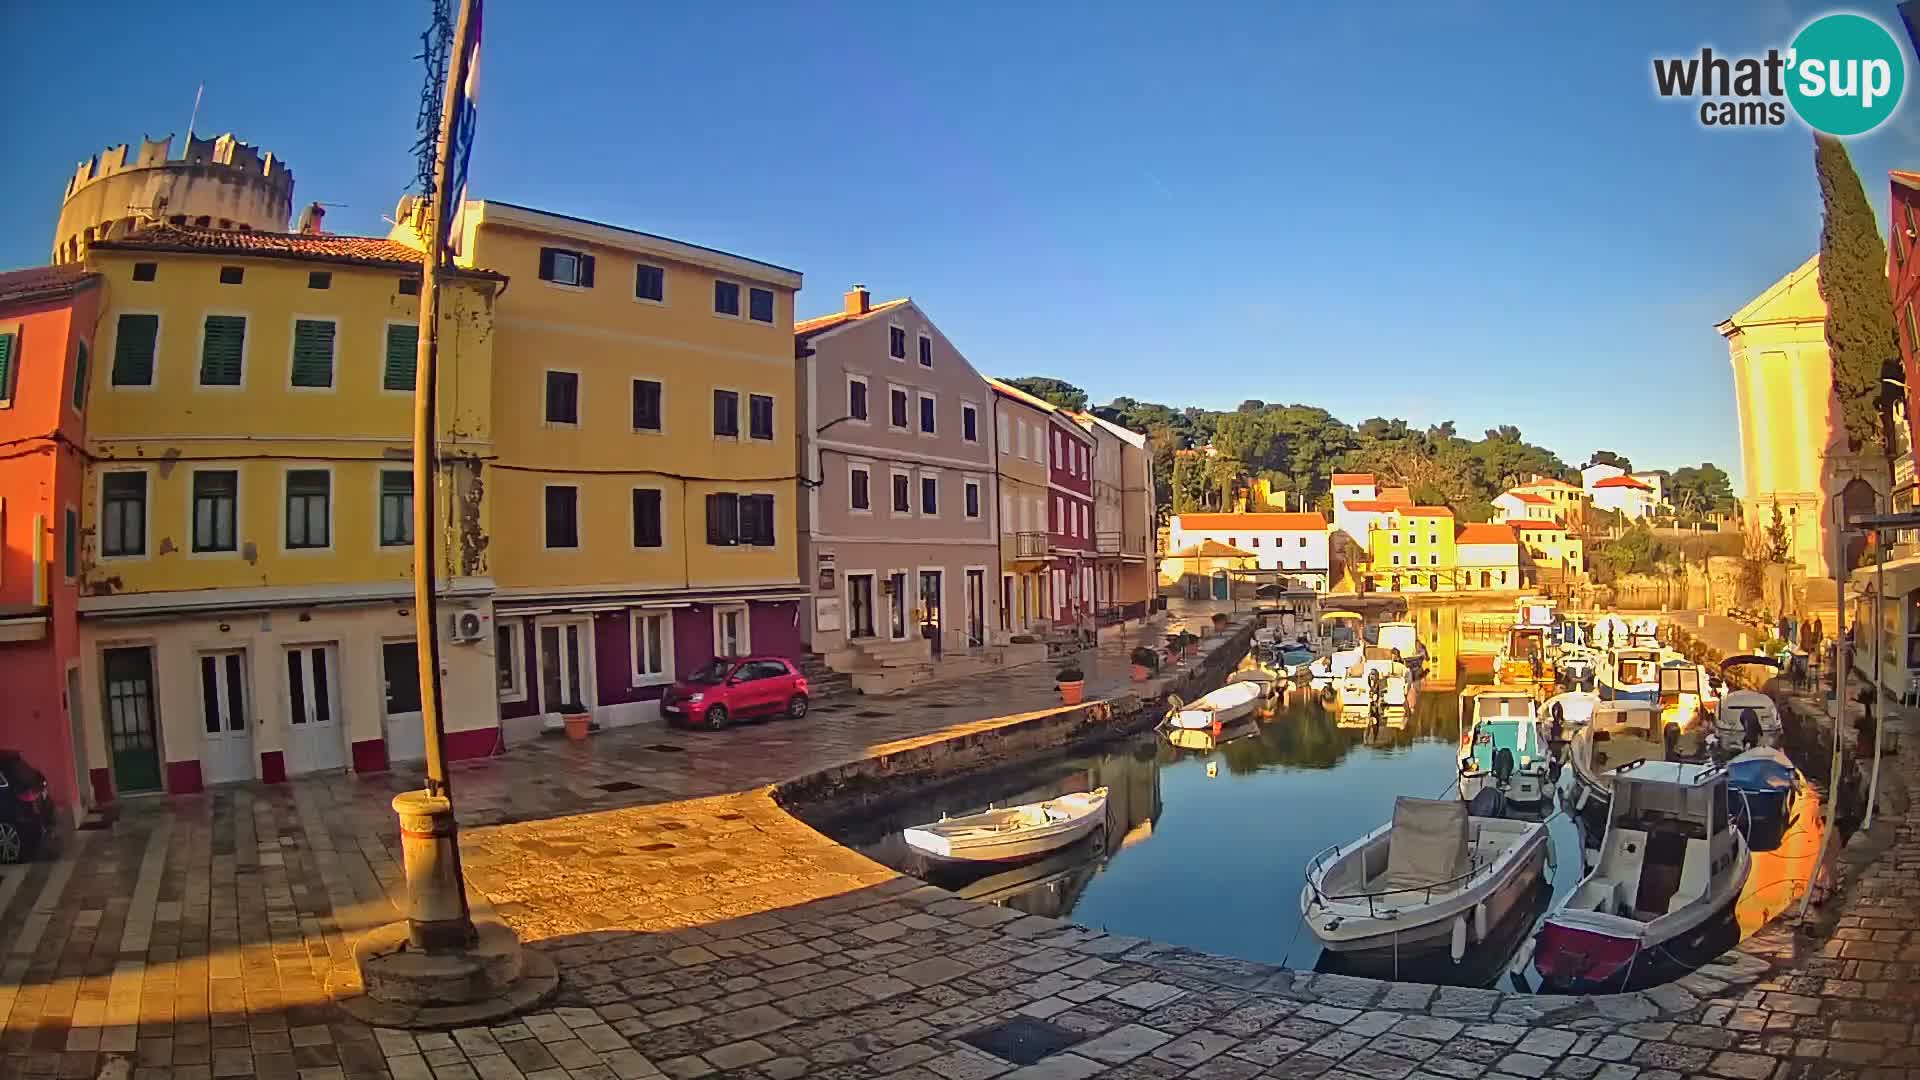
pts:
pixel 47 318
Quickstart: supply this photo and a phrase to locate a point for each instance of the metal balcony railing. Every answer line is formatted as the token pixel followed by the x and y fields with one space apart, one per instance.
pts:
pixel 1030 545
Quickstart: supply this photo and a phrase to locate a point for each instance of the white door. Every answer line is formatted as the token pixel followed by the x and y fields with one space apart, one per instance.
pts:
pixel 313 717
pixel 566 665
pixel 400 671
pixel 228 753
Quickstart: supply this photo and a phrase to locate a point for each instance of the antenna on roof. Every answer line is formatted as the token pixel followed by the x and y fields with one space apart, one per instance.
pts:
pixel 191 120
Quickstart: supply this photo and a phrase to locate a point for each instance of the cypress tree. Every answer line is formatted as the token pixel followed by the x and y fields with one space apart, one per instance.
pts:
pixel 1853 282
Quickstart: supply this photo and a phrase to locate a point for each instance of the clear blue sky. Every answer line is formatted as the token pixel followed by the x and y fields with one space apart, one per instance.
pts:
pixel 1437 210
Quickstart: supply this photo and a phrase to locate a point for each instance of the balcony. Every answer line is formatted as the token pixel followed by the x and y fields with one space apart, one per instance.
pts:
pixel 1029 545
pixel 1107 543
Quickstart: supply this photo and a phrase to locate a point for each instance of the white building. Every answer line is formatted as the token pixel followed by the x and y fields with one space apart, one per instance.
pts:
pixel 1518 505
pixel 1624 494
pixel 1656 481
pixel 1488 556
pixel 1294 543
pixel 1593 474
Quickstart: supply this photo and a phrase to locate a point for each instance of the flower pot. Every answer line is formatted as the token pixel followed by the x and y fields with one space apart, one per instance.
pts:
pixel 577 726
pixel 1141 673
pixel 1071 692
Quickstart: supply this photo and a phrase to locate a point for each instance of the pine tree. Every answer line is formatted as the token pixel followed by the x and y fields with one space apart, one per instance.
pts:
pixel 1853 282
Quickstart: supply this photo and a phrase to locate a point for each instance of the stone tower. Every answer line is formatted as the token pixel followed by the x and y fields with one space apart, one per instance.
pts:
pixel 219 183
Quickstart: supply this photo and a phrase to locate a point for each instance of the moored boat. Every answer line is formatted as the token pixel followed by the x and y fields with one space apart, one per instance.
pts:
pixel 1572 708
pixel 1765 785
pixel 1630 673
pixel 1378 676
pixel 1013 833
pixel 1502 747
pixel 1341 648
pixel 1746 718
pixel 1221 706
pixel 1403 639
pixel 1670 864
pixel 1433 881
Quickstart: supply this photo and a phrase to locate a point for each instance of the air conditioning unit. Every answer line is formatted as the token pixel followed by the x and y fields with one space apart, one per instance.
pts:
pixel 467 625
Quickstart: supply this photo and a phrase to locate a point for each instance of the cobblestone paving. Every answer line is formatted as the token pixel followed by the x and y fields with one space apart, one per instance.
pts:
pixel 721 937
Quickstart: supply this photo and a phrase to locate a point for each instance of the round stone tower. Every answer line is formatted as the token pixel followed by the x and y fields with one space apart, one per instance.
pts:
pixel 219 183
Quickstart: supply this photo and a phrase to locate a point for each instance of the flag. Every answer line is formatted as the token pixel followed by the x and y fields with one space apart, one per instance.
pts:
pixel 460 137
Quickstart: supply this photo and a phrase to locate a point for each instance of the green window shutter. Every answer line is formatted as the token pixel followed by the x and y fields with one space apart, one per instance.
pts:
pixel 80 364
pixel 312 352
pixel 133 347
pixel 9 347
pixel 403 348
pixel 222 346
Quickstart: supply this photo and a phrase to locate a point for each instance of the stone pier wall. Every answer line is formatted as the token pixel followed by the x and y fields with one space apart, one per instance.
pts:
pixel 1808 731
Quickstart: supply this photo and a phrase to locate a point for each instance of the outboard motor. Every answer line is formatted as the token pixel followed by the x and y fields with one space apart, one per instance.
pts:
pixel 1491 803
pixel 1502 765
pixel 1750 726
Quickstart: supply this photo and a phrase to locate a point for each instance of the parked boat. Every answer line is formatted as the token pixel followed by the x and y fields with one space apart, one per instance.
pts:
pixel 1617 732
pixel 1685 693
pixel 1630 673
pixel 1403 638
pixel 1433 881
pixel 1014 833
pixel 1267 679
pixel 1670 864
pixel 1341 649
pixel 1222 706
pixel 1503 747
pixel 1523 657
pixel 1201 740
pixel 1573 708
pixel 1746 718
pixel 1576 665
pixel 1379 675
pixel 1766 785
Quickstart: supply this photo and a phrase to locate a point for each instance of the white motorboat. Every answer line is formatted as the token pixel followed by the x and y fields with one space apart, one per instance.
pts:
pixel 1523 659
pixel 1576 665
pixel 1222 706
pixel 1404 639
pixel 1573 708
pixel 1747 718
pixel 1378 673
pixel 1630 673
pixel 1502 747
pixel 1432 881
pixel 1014 833
pixel 1670 864
pixel 1617 732
pixel 1341 649
pixel 1269 681
pixel 1687 698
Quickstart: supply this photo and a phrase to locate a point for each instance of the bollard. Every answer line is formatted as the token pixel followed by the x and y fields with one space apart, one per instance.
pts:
pixel 436 900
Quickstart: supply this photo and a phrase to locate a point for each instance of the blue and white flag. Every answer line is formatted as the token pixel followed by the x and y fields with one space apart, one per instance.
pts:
pixel 460 137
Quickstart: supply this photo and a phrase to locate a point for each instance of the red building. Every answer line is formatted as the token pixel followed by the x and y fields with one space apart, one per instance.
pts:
pixel 1070 523
pixel 1903 274
pixel 47 317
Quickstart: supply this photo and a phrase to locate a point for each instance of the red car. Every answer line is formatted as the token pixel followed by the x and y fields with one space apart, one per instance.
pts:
pixel 734 688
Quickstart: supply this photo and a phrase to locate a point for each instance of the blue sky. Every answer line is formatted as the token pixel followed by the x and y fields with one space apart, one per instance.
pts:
pixel 1465 211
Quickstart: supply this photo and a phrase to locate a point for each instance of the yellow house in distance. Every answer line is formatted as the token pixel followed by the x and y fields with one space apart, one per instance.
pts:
pixel 245 575
pixel 645 441
pixel 1413 550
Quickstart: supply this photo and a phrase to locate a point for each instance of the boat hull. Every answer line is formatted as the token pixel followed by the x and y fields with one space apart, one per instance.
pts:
pixel 1427 931
pixel 933 843
pixel 1521 789
pixel 1581 952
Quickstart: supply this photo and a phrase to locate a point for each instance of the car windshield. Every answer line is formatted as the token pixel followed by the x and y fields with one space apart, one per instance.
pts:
pixel 713 674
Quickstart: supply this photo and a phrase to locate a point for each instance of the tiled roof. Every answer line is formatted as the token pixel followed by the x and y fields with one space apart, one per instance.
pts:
pixel 1399 496
pixel 322 247
pixel 1370 506
pixel 1425 511
pixel 43 283
pixel 1211 549
pixel 1530 497
pixel 1486 534
pixel 1621 482
pixel 1536 524
pixel 1546 481
pixel 1311 522
pixel 1353 478
pixel 807 329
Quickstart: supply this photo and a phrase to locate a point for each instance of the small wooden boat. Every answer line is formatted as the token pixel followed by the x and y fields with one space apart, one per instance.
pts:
pixel 1341 648
pixel 1503 747
pixel 1222 706
pixel 1765 785
pixel 1433 881
pixel 1747 718
pixel 1671 863
pixel 1012 834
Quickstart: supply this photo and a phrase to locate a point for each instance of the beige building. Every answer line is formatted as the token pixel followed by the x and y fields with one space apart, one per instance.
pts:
pixel 1123 520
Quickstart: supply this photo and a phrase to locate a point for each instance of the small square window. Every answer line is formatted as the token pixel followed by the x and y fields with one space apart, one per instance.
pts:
pixel 410 286
pixel 649 283
pixel 320 279
pixel 726 298
pixel 232 275
pixel 145 271
pixel 760 305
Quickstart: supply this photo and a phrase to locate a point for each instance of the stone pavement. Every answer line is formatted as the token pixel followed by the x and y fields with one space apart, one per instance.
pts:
pixel 720 936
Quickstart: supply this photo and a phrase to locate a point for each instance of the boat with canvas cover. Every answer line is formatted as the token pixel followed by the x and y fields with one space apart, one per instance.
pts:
pixel 1670 865
pixel 1747 718
pixel 1014 833
pixel 1222 706
pixel 1404 639
pixel 1502 746
pixel 1341 648
pixel 1432 881
pixel 1379 673
pixel 1766 785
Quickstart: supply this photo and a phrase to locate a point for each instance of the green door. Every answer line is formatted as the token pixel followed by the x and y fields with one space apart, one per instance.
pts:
pixel 130 722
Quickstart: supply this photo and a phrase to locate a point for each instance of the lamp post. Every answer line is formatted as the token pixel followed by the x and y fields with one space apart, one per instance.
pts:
pixel 1840 661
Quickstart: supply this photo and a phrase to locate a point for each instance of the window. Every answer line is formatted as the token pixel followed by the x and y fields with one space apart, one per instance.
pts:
pixel 970 423
pixel 730 633
pixel 1303 541
pixel 646 517
pixel 760 416
pixel 1433 560
pixel 652 646
pixel 313 352
pixel 926 351
pixel 646 405
pixel 396 507
pixel 649 283
pixel 930 496
pixel 898 400
pixel 410 286
pixel 564 267
pixel 320 279
pixel 9 366
pixel 1000 428
pixel 858 497
pixel 897 342
pixel 70 544
pixel 973 498
pixel 223 345
pixel 563 397
pixel 81 362
pixel 740 520
pixel 403 349
pixel 1006 512
pixel 897 605
pixel 856 398
pixel 309 508
pixel 902 501
pixel 926 415
pixel 123 514
pixel 726 298
pixel 760 305
pixel 232 275
pixel 563 520
pixel 216 493
pixel 726 413
pixel 509 643
pixel 145 271
pixel 1255 542
pixel 1396 559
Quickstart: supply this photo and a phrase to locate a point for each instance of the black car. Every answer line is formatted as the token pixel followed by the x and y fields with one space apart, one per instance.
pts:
pixel 26 808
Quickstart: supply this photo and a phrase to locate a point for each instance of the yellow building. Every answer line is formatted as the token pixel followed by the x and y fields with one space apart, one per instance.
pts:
pixel 645 437
pixel 1021 422
pixel 1550 546
pixel 1413 550
pixel 245 572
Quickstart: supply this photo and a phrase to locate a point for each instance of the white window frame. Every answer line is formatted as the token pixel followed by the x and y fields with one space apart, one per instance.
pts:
pixel 516 659
pixel 634 637
pixel 967 407
pixel 927 338
pixel 1006 512
pixel 912 420
pixel 239 508
pixel 662 383
pixel 579 399
pixel 1001 428
pixel 146 513
pixel 920 494
pixel 893 509
pixel 979 500
pixel 863 421
pixel 902 358
pixel 862 466
pixel 577 258
pixel 746 631
pixel 919 414
pixel 333 504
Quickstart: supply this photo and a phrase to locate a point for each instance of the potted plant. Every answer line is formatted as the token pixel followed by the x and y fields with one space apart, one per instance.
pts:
pixel 1145 663
pixel 1072 682
pixel 577 719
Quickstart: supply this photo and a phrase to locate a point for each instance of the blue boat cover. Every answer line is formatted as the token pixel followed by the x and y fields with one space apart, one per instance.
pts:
pixel 1760 774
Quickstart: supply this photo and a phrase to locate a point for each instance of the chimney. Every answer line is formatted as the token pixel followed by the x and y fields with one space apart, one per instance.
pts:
pixel 859 300
pixel 310 219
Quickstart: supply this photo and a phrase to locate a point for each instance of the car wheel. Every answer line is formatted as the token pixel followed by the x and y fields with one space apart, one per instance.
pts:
pixel 797 708
pixel 716 717
pixel 13 843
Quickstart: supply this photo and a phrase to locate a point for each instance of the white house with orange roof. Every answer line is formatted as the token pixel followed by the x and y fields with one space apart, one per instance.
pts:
pixel 1295 544
pixel 1518 505
pixel 1488 556
pixel 1628 495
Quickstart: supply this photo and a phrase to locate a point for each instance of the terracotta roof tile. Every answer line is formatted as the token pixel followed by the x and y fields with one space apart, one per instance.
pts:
pixel 1530 497
pixel 807 329
pixel 1523 523
pixel 1621 482
pixel 1212 549
pixel 43 283
pixel 1486 533
pixel 323 247
pixel 1370 506
pixel 1353 478
pixel 1426 511
pixel 1309 522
